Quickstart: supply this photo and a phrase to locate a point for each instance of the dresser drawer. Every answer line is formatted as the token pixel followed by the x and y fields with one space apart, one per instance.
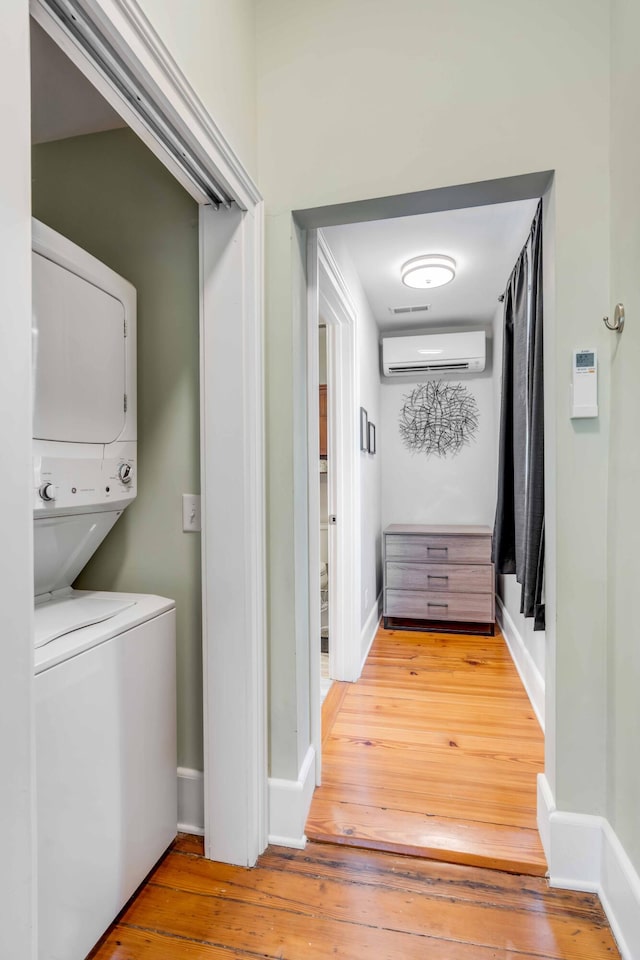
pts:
pixel 435 549
pixel 414 604
pixel 440 577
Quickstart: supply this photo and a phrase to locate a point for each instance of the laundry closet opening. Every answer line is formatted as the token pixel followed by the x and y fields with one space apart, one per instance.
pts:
pixel 98 185
pixel 114 514
pixel 425 394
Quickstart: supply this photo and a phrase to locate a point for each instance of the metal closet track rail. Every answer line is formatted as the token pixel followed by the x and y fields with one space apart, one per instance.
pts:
pixel 74 18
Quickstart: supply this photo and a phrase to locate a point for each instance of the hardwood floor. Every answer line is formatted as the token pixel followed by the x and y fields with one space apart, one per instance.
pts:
pixel 434 752
pixel 351 904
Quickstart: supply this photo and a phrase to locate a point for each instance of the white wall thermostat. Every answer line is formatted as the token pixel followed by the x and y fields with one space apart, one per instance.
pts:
pixel 585 384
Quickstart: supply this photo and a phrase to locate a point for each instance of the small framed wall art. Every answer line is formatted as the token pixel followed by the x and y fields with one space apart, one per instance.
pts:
pixel 364 431
pixel 371 438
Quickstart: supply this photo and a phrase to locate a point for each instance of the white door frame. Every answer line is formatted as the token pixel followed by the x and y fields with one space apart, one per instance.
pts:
pixel 17 873
pixel 233 544
pixel 328 296
pixel 232 432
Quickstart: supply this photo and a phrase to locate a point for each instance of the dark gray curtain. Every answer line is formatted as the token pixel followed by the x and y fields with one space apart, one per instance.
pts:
pixel 518 538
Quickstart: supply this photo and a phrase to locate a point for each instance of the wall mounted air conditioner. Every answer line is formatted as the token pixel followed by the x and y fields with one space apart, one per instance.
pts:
pixel 434 353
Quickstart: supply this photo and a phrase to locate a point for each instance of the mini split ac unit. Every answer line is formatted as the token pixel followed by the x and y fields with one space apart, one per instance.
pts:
pixel 434 353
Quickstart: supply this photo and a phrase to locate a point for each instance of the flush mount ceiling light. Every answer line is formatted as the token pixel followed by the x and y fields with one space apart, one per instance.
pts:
pixel 431 270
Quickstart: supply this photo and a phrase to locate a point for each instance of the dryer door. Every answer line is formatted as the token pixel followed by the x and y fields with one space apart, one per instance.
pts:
pixel 79 357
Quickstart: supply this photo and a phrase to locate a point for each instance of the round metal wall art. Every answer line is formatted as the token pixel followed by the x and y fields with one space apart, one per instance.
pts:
pixel 438 418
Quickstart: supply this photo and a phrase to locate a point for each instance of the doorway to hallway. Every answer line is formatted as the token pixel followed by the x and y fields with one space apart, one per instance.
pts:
pixel 410 493
pixel 434 752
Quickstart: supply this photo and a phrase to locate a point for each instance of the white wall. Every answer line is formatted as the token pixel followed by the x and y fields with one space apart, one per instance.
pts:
pixel 287 551
pixel 427 489
pixel 509 591
pixel 213 43
pixel 393 113
pixel 369 398
pixel 623 775
pixel 17 872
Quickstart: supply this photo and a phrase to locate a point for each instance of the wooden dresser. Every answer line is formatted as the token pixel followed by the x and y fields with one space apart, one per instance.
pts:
pixel 438 577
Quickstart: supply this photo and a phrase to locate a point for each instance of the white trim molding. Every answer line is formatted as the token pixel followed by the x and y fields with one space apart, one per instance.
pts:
pixel 289 803
pixel 317 690
pixel 191 801
pixel 584 853
pixel 124 24
pixel 370 630
pixel 337 309
pixel 328 296
pixel 620 894
pixel 572 843
pixel 531 677
pixel 18 875
pixel 189 108
pixel 233 548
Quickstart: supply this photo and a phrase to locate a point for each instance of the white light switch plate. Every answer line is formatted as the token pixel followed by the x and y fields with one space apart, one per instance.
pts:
pixel 191 512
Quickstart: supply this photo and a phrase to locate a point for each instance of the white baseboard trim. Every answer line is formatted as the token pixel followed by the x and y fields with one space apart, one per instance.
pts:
pixel 190 801
pixel 370 629
pixel 544 806
pixel 531 678
pixel 325 686
pixel 289 802
pixel 584 853
pixel 620 894
pixel 572 843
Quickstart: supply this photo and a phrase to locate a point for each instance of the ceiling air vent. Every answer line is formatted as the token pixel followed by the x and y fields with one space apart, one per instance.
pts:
pixel 398 311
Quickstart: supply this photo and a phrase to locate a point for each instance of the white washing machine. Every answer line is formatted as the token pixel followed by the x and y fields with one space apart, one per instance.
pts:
pixel 105 679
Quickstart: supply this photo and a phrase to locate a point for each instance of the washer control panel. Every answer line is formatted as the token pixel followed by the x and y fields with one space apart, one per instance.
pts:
pixel 68 483
pixel 48 491
pixel 125 473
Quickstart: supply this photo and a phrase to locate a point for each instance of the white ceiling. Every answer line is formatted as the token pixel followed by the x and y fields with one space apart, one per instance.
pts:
pixel 63 102
pixel 484 241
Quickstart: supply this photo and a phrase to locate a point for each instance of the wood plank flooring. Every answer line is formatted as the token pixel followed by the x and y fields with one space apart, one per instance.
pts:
pixel 351 905
pixel 434 752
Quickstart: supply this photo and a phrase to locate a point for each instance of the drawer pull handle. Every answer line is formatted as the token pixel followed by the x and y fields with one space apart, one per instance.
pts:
pixel 441 549
pixel 444 605
pixel 437 576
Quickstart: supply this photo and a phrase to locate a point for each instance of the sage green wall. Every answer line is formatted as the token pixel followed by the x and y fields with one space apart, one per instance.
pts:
pixel 110 195
pixel 458 98
pixel 623 775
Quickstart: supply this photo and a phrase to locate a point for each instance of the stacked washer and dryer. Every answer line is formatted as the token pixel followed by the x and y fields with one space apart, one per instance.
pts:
pixel 105 680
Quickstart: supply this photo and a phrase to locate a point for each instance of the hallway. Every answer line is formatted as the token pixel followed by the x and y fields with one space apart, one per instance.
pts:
pixel 350 904
pixel 434 752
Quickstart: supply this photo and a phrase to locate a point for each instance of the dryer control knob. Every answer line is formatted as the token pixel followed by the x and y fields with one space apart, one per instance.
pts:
pixel 48 491
pixel 125 472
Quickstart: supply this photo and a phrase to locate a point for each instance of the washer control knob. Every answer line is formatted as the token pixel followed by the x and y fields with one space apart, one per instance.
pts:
pixel 125 472
pixel 48 491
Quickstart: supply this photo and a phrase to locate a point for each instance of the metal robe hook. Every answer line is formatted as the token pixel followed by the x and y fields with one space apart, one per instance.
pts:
pixel 618 319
